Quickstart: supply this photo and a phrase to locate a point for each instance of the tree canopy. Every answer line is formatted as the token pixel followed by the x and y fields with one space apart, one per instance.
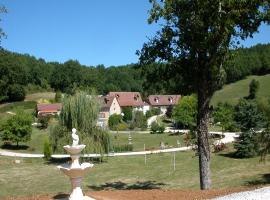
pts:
pixel 18 128
pixel 194 42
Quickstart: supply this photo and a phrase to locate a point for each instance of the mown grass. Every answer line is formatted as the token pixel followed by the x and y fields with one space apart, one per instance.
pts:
pixel 25 105
pixel 151 141
pixel 231 93
pixel 35 145
pixel 33 176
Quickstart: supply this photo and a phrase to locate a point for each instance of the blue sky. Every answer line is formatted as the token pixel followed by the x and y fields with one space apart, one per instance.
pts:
pixel 91 31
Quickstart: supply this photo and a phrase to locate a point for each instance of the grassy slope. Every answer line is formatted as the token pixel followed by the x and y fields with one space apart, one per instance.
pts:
pixel 232 92
pixel 130 172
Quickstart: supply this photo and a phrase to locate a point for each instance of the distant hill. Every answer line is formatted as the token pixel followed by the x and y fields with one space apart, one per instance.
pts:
pixel 232 92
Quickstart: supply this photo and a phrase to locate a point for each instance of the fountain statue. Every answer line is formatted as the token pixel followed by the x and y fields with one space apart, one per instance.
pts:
pixel 75 171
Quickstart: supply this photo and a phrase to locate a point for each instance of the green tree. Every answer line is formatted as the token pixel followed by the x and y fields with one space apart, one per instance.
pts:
pixel 264 108
pixel 247 115
pixel 247 146
pixel 248 118
pixel 264 143
pixel 194 41
pixel 185 112
pixel 16 93
pixel 224 114
pixel 47 150
pixel 80 111
pixel 127 111
pixel 253 89
pixel 58 97
pixel 139 120
pixel 18 128
pixel 114 121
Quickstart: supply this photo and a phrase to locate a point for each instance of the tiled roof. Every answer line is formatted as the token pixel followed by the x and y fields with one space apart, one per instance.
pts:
pixel 106 102
pixel 54 107
pixel 163 100
pixel 128 98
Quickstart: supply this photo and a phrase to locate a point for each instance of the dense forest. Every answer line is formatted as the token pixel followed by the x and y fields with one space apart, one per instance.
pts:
pixel 22 73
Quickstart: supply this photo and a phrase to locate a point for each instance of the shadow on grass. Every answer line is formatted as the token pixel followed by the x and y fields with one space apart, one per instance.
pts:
pixel 264 179
pixel 57 161
pixel 61 196
pixel 119 185
pixel 229 155
pixel 14 147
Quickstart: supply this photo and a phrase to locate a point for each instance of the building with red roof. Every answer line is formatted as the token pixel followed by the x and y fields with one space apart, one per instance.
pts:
pixel 48 109
pixel 163 101
pixel 109 106
pixel 130 99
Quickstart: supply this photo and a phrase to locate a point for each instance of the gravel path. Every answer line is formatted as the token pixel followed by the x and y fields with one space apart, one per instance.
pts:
pixel 258 194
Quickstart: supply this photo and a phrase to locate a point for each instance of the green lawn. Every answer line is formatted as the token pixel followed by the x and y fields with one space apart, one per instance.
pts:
pixel 151 141
pixel 33 176
pixel 35 145
pixel 232 92
pixel 26 105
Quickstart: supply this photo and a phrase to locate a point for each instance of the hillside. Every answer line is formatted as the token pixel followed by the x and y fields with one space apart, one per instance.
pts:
pixel 232 92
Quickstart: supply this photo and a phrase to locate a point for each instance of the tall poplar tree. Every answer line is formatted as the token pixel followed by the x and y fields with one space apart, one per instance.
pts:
pixel 194 42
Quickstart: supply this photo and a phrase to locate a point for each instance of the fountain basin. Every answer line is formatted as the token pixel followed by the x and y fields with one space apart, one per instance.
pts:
pixel 73 150
pixel 75 172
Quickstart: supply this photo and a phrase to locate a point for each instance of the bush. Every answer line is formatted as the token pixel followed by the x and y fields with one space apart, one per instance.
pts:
pixel 122 127
pixel 16 93
pixel 47 150
pixel 123 148
pixel 114 120
pixel 157 128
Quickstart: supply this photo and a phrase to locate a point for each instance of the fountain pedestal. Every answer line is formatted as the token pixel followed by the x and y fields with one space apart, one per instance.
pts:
pixel 75 171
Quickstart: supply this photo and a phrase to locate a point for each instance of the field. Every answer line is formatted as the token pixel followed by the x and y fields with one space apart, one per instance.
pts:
pixel 36 177
pixel 231 93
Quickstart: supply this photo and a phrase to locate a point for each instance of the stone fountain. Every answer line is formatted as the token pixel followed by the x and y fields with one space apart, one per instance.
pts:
pixel 76 171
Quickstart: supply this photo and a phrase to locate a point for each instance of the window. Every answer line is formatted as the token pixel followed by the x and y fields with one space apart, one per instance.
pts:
pixel 156 99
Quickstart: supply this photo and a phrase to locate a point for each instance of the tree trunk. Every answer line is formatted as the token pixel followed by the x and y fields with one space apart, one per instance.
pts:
pixel 202 131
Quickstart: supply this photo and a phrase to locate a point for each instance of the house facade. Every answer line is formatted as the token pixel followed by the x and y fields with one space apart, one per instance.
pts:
pixel 163 101
pixel 130 99
pixel 109 106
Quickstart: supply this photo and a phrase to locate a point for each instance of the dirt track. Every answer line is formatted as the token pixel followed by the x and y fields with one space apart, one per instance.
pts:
pixel 146 194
